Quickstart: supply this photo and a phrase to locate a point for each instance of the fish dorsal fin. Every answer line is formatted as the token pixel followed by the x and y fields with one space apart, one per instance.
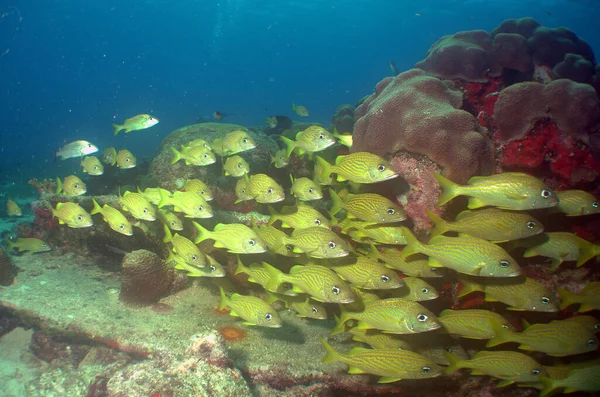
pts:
pixel 219 226
pixel 339 159
pixel 358 350
pixel 296 269
pixel 463 214
pixel 59 205
pixel 439 239
pixel 476 179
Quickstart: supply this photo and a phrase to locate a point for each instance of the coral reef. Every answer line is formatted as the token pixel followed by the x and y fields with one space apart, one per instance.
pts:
pixel 146 278
pixel 343 119
pixel 574 67
pixel 7 269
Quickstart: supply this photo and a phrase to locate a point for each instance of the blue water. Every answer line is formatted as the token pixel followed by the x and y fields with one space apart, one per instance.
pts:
pixel 70 68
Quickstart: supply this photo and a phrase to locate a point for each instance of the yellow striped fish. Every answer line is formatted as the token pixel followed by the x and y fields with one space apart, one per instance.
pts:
pixel 411 267
pixel 253 310
pixel 197 186
pixel 212 269
pixel 13 208
pixel 586 379
pixel 264 189
pixel 232 143
pixel 72 215
pixel 170 219
pixel 369 207
pixel 191 204
pixel 241 191
pixel 365 232
pixel 303 306
pixel 185 248
pixel 258 273
pixel 561 246
pixel 305 189
pixel 577 203
pixel 588 298
pixel 379 340
pixel 301 216
pixel 236 238
pixel 359 167
pixel 367 273
pixel 473 323
pixel 152 194
pixel 416 290
pixel 115 219
pixel 316 242
pixel 271 236
pixel 236 167
pixel 138 206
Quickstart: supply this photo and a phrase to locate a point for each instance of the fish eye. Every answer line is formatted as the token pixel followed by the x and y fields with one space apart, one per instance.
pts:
pixel 121 226
pixel 321 136
pixel 448 349
pixel 535 372
pixel 331 245
pixel 545 300
pixel 545 193
pixel 202 192
pixel 314 309
pixel 422 317
pixel 95 167
pixel 385 278
pixel 212 268
pixel 425 369
pixel 335 290
pixel 194 257
pixel 391 211
pixel 381 167
pixel 595 204
pixel 172 223
pixel 239 165
pixel 425 290
pixel 317 222
pixel 504 263
pixel 76 185
pixel 243 190
pixel 311 190
pixel 505 326
pixel 530 225
pixel 268 316
pixel 591 342
pixel 127 159
pixel 270 190
pixel 245 140
pixel 251 242
pixel 145 210
pixel 201 208
pixel 205 155
pixel 150 118
pixel 597 326
pixel 79 217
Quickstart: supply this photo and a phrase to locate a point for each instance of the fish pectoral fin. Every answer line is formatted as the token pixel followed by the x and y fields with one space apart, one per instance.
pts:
pixel 219 245
pixel 432 262
pixel 356 370
pixel 586 307
pixel 474 203
pixel 233 313
pixel 247 323
pixel 478 373
pixel 516 309
pixel 504 382
pixel 525 347
pixel 60 221
pixel 362 325
pixel 388 379
pixel 297 290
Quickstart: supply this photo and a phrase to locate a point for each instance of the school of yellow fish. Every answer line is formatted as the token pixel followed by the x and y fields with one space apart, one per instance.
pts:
pixel 349 258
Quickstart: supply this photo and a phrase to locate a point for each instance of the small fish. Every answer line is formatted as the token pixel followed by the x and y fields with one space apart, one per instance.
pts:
pixel 76 149
pixel 193 155
pixel 197 186
pixel 258 273
pixel 300 110
pixel 300 217
pixel 271 121
pixel 415 290
pixel 72 215
pixel 412 267
pixel 392 315
pixel 236 167
pixel 321 178
pixel 577 203
pixel 489 224
pixel 138 206
pixel 358 167
pixel 390 365
pixel 212 268
pixel 253 310
pixel 92 166
pixel 200 142
pixel 12 208
pixel 316 242
pixel 236 238
pixel 344 139
pixel 321 283
pixel 392 64
pixel 380 340
pixel 585 379
pixel 28 244
pixel 590 323
pixel 473 323
pixel 313 139
pixel 558 338
pixel 152 194
pixel 185 248
pixel 367 273
pixel 303 306
pixel 561 246
pixel 233 142
pixel 365 232
pixel 72 186
pixel 508 190
pixel 280 159
pixel 271 236
pixel 193 205
pixel 125 159
pixel 170 219
pixel 467 255
pixel 135 123
pixel 115 219
pixel 241 191
pixel 305 190
pixel 588 298
pixel 264 189
pixel 109 156
pixel 218 115
pixel 506 365
pixel 520 293
pixel 368 207
pixel 436 349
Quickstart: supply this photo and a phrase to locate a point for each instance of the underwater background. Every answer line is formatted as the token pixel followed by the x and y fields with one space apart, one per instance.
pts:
pixel 237 198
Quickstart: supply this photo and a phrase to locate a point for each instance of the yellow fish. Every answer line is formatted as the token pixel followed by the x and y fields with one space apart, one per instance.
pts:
pixel 152 194
pixel 586 379
pixel 236 238
pixel 467 255
pixel 300 110
pixel 253 310
pixel 508 190
pixel 212 269
pixel 280 159
pixel 300 217
pixel 561 246
pixel 264 189
pixel 193 155
pixel 366 232
pixel 13 208
pixel 506 365
pixel 115 219
pixel 72 215
pixel 588 298
pixel 200 142
pixel 489 224
pixel 316 242
pixel 311 140
pixel 191 204
pixel 72 186
pixel 271 236
pixel 241 191
pixel 369 207
pixel 303 306
pixel 258 273
pixel 233 142
pixel 436 349
pixel 416 290
pixel 344 139
pixel 379 340
pixel 412 267
pixel 138 206
pixel 520 293
pixel 126 159
pixel 92 166
pixel 109 156
pixel 366 273
pixel 170 219
pixel 185 248
pixel 359 167
pixel 321 283
pixel 135 123
pixel 236 167
pixel 390 365
pixel 197 186
pixel 473 323
pixel 76 149
pixel 305 190
pixel 28 244
pixel 577 203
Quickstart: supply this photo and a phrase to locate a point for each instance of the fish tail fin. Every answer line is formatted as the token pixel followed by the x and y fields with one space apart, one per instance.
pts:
pixel 289 146
pixel 501 336
pixel 272 298
pixel 240 268
pixel 549 385
pixel 331 355
pixel 588 253
pixel 176 155
pixel 468 287
pixel 224 299
pixel 337 203
pixel 164 198
pixel 9 244
pixel 203 233
pixel 325 168
pixel 456 363
pixel 567 298
pixel 275 281
pixel 293 106
pixel 413 246
pixel 340 326
pixel 449 189
pixel 117 128
pixel 274 215
pixel 59 185
pixel 168 236
pixel 97 209
pixel 441 226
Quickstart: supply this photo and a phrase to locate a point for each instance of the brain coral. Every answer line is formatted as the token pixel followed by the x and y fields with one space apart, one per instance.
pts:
pixel 419 113
pixel 576 68
pixel 146 278
pixel 573 106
